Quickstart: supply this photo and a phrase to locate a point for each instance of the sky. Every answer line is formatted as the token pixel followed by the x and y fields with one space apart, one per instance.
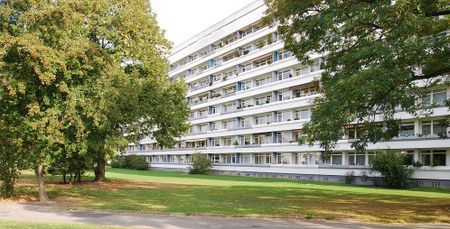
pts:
pixel 182 19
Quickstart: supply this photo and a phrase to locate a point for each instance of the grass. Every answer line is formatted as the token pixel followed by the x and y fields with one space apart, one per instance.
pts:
pixel 36 225
pixel 152 191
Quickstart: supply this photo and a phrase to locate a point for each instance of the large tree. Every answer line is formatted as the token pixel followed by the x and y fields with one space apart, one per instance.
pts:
pixel 85 77
pixel 381 56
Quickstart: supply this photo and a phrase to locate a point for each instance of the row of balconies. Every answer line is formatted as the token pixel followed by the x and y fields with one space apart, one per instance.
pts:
pixel 250 121
pixel 210 49
pixel 422 129
pixel 246 67
pixel 261 100
pixel 256 82
pixel 436 157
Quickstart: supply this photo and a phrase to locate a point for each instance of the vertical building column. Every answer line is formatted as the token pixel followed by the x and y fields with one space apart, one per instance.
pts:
pixel 366 159
pixel 274 117
pixel 274 158
pixel 344 158
pixel 417 127
pixel 274 96
pixel 417 156
pixel 274 76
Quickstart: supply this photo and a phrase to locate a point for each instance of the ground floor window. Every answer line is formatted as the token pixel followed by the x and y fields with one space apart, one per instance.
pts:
pixel 263 158
pixel 228 158
pixel 215 158
pixel 434 157
pixel 356 158
pixel 309 158
pixel 245 158
pixel 336 159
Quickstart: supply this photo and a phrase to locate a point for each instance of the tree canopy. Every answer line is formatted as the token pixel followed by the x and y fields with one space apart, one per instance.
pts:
pixel 381 56
pixel 85 78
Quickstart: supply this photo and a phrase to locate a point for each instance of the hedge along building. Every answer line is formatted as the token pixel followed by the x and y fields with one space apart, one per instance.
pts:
pixel 250 98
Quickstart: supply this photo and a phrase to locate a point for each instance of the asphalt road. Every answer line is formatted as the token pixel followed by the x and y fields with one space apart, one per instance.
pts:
pixel 39 213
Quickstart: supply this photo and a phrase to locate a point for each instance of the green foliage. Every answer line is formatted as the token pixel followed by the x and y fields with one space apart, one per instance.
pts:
pixel 66 164
pixel 376 53
pixel 200 164
pixel 13 158
pixel 350 177
pixel 391 166
pixel 76 75
pixel 130 162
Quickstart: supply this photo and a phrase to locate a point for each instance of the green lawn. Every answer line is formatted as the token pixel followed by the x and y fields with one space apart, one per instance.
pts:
pixel 151 191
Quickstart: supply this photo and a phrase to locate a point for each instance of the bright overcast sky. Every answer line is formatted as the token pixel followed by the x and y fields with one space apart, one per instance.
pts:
pixel 182 19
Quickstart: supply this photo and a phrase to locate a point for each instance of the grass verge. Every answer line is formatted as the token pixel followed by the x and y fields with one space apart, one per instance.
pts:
pixel 152 191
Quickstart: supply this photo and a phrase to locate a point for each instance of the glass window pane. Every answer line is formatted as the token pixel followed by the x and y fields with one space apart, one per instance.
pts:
pixel 439 98
pixel 439 159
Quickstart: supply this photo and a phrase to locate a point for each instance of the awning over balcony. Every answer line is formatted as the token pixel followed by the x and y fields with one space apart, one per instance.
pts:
pixel 314 84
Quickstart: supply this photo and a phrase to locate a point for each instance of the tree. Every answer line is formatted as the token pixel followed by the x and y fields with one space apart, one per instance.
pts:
pixel 85 77
pixel 200 164
pixel 391 166
pixel 380 56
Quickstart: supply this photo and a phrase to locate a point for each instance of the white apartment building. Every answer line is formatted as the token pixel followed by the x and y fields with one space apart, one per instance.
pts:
pixel 250 98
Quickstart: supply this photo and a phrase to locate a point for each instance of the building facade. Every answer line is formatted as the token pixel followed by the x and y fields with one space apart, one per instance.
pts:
pixel 250 98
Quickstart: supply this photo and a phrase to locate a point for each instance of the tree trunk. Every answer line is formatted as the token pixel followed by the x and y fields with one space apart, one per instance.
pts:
pixel 100 169
pixel 64 179
pixel 39 170
pixel 78 176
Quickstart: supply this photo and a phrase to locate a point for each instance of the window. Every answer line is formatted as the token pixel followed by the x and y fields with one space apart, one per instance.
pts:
pixel 228 158
pixel 407 129
pixel 439 98
pixel 227 141
pixel 246 67
pixel 434 157
pixel 434 127
pixel 426 128
pixel 246 103
pixel 286 95
pixel 284 54
pixel 216 77
pixel 263 158
pixel 356 159
pixel 215 158
pixel 215 142
pixel 229 124
pixel 336 159
pixel 263 81
pixel 301 114
pixel 213 110
pixel 284 75
pixel 278 158
pixel 246 85
pixel 438 128
pixel 303 71
pixel 245 159
pixel 295 158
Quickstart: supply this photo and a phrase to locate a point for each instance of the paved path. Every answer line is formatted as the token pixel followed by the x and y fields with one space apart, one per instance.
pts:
pixel 38 213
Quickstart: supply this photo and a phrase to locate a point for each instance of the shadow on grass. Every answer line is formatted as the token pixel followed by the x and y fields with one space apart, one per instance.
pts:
pixel 254 201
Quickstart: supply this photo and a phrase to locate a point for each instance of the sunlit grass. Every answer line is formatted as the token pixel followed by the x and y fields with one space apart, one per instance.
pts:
pixel 152 191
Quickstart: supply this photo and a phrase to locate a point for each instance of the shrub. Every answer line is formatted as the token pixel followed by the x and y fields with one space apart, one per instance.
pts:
pixel 350 177
pixel 390 165
pixel 138 162
pixel 130 162
pixel 201 164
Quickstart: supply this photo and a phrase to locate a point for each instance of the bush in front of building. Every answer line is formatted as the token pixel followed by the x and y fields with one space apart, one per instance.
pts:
pixel 200 164
pixel 130 162
pixel 391 166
